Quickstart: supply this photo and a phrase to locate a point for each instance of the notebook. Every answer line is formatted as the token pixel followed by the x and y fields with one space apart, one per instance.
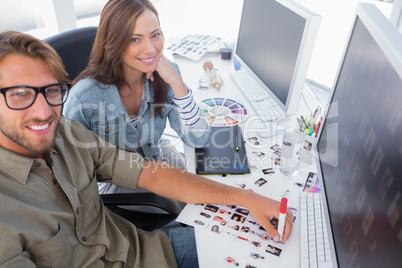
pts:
pixel 224 153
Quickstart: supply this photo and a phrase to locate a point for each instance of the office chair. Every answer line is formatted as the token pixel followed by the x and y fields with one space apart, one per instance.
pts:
pixel 74 47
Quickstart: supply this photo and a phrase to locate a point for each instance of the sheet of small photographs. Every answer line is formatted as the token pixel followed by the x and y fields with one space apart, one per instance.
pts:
pixel 234 261
pixel 234 223
pixel 194 46
pixel 228 256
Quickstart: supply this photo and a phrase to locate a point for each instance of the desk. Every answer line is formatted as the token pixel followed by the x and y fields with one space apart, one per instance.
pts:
pixel 211 249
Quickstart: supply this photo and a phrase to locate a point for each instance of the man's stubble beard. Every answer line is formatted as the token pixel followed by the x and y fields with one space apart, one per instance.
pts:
pixel 23 141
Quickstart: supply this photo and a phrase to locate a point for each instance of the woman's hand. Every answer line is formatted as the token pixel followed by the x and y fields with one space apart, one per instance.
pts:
pixel 171 77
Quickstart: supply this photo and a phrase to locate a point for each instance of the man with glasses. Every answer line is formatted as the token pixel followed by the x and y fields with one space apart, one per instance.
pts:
pixel 51 214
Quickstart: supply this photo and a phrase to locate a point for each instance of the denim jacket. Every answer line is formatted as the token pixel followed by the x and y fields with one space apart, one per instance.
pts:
pixel 99 108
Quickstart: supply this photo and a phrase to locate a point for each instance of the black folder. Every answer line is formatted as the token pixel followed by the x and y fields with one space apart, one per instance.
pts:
pixel 224 153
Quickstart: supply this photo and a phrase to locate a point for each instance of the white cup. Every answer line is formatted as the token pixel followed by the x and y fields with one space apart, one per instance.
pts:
pixel 292 149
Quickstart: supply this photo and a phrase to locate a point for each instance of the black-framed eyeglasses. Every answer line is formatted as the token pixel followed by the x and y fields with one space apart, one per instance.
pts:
pixel 22 97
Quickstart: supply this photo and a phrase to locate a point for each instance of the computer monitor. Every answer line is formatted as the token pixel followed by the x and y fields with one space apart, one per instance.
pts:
pixel 360 147
pixel 275 44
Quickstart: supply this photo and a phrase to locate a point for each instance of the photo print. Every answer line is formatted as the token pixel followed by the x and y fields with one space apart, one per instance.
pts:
pixel 268 171
pixel 260 182
pixel 273 250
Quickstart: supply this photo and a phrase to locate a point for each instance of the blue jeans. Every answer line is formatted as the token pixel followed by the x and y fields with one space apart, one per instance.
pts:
pixel 183 243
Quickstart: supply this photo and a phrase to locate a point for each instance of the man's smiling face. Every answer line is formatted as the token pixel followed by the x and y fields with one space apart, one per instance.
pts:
pixel 29 132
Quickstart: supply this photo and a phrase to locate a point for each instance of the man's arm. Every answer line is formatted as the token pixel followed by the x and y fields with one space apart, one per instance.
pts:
pixel 189 188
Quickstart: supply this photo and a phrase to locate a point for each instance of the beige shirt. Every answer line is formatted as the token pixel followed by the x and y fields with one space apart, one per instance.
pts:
pixel 53 216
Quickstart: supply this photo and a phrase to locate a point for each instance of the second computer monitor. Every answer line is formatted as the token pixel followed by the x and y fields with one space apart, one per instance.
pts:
pixel 275 44
pixel 360 146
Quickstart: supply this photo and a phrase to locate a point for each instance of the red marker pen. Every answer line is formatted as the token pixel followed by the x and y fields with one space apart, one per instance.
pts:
pixel 282 217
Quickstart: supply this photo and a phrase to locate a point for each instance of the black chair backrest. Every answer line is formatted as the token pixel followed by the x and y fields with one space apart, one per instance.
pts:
pixel 74 47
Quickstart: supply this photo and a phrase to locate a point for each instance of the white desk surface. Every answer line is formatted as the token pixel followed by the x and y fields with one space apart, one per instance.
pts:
pixel 211 249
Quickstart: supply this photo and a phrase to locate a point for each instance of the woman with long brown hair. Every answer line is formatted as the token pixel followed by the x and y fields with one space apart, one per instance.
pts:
pixel 129 89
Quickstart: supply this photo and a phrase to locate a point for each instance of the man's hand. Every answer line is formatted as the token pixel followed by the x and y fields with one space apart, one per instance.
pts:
pixel 263 210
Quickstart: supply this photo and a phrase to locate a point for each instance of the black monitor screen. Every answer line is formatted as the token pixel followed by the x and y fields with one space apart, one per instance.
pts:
pixel 361 156
pixel 269 40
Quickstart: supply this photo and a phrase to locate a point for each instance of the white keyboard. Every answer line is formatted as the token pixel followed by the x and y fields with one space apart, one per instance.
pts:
pixel 314 245
pixel 259 99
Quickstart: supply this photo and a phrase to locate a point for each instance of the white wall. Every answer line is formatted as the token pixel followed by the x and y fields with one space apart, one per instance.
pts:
pixel 182 17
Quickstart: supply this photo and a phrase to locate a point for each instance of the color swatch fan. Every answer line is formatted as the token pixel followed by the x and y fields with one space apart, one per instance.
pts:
pixel 223 112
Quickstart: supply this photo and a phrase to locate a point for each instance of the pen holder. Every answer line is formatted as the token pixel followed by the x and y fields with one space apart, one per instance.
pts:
pixel 308 145
pixel 310 127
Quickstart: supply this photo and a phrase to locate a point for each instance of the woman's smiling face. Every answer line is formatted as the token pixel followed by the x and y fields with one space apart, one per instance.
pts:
pixel 146 44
